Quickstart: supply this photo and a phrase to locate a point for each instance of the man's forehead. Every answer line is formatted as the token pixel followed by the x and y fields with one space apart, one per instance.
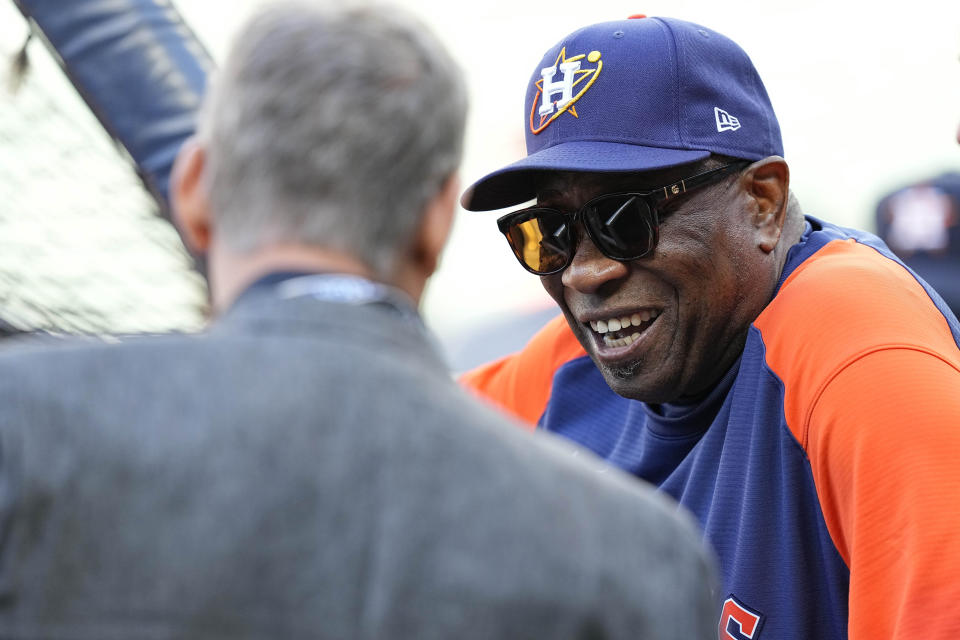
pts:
pixel 562 181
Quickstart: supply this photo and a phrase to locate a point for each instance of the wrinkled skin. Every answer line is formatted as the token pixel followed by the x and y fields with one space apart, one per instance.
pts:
pixel 719 257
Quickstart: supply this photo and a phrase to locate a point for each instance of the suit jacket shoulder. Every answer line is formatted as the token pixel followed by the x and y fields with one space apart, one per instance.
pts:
pixel 310 470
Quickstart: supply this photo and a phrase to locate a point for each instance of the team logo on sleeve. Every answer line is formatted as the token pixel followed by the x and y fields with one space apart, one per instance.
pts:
pixel 560 86
pixel 738 621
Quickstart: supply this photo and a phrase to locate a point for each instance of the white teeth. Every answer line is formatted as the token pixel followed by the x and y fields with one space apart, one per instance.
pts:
pixel 617 324
pixel 621 342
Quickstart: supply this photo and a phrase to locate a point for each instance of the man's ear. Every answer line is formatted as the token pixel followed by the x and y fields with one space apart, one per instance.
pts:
pixel 767 182
pixel 436 226
pixel 189 200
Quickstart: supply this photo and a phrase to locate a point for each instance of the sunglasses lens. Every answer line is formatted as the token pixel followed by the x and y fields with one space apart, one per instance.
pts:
pixel 621 226
pixel 540 238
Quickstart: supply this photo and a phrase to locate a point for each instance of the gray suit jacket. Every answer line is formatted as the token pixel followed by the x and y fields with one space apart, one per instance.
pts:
pixel 309 470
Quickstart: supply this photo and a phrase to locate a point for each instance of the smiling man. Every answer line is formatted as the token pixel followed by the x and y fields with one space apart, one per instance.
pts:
pixel 789 381
pixel 652 336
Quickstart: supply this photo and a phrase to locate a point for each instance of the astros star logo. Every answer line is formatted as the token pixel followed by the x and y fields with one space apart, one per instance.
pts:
pixel 573 76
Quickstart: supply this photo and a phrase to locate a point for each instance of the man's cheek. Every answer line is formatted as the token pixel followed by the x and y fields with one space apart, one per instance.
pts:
pixel 554 287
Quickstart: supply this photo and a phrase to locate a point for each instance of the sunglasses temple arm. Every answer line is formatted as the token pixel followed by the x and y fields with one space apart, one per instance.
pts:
pixel 682 186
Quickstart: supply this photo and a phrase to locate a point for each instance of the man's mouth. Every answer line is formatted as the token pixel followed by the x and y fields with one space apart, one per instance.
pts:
pixel 622 331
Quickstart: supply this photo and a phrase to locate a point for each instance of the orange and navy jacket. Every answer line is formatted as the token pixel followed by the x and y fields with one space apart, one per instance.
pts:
pixel 825 466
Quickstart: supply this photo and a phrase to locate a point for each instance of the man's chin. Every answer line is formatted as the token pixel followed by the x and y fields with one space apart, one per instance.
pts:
pixel 632 381
pixel 625 372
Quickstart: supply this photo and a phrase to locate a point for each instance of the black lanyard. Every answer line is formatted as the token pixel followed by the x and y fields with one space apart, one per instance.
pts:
pixel 347 289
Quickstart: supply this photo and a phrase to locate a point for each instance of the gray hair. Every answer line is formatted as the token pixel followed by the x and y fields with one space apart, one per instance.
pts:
pixel 333 126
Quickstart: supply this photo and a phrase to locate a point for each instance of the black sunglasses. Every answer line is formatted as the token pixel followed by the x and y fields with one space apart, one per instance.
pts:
pixel 624 226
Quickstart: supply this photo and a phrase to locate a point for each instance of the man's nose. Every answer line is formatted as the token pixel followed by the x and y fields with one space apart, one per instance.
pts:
pixel 590 269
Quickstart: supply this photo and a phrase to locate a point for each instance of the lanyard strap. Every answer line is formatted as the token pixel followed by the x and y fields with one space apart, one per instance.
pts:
pixel 347 289
pixel 354 290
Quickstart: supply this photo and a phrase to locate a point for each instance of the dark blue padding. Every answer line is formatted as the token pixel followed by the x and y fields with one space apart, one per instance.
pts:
pixel 138 66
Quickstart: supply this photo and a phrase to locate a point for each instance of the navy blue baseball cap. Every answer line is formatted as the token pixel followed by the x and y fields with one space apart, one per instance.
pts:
pixel 635 95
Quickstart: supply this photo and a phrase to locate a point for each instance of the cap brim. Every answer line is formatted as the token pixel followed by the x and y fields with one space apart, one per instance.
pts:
pixel 516 183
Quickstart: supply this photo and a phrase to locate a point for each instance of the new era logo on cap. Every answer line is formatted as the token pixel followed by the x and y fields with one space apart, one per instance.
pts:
pixel 725 121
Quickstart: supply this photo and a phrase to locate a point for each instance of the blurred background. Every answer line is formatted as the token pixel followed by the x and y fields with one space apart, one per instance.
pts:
pixel 867 94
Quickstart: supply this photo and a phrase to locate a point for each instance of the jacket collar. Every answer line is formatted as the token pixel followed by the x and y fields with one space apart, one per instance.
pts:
pixel 284 304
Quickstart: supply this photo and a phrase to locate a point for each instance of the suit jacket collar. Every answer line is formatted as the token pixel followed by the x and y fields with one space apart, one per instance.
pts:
pixel 387 324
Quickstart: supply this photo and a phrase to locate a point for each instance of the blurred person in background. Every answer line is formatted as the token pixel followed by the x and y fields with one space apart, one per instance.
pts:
pixel 921 223
pixel 307 467
pixel 787 380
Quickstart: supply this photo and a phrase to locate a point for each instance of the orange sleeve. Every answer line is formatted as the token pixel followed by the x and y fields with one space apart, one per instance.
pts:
pixel 520 383
pixel 885 450
pixel 871 377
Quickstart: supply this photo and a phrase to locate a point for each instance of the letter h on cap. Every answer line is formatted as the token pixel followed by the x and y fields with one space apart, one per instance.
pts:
pixel 563 87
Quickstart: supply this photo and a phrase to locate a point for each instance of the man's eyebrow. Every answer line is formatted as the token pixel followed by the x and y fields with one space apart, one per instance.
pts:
pixel 645 180
pixel 546 194
pixel 614 182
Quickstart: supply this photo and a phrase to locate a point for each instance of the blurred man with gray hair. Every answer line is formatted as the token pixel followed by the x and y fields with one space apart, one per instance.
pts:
pixel 307 468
